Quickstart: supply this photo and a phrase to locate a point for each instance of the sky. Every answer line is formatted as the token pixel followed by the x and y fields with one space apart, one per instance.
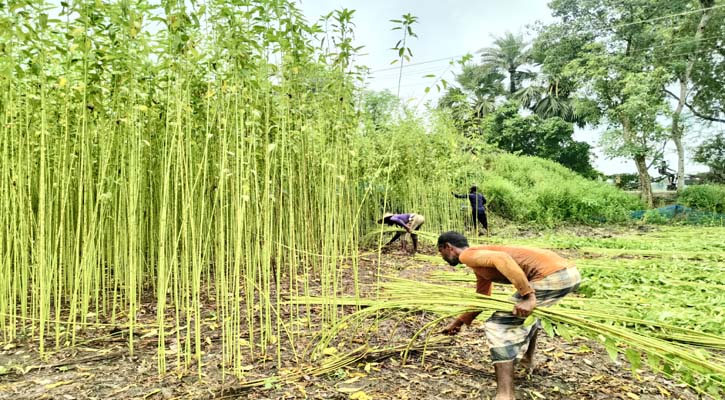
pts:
pixel 446 31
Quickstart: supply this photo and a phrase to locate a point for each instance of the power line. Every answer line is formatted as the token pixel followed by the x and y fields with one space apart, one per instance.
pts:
pixel 422 79
pixel 674 44
pixel 418 83
pixel 418 63
pixel 409 72
pixel 510 47
pixel 666 16
pixel 414 70
pixel 440 76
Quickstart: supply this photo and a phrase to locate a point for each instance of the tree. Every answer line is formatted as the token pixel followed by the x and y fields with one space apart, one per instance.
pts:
pixel 532 135
pixel 613 67
pixel 708 75
pixel 554 94
pixel 684 61
pixel 457 104
pixel 712 153
pixel 484 84
pixel 551 97
pixel 380 109
pixel 476 96
pixel 508 54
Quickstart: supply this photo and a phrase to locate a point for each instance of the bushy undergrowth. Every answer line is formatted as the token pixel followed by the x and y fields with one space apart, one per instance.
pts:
pixel 421 165
pixel 549 193
pixel 704 197
pixel 655 217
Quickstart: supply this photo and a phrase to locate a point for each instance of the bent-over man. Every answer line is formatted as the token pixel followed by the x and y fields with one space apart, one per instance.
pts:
pixel 541 278
pixel 410 222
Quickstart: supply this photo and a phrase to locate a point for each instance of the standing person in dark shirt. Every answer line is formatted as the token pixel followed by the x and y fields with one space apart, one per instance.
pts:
pixel 478 207
pixel 409 222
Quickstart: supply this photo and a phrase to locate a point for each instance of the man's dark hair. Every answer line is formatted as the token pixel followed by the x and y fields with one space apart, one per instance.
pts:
pixel 474 189
pixel 454 238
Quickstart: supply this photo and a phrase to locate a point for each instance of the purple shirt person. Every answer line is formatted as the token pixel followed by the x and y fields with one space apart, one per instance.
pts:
pixel 410 222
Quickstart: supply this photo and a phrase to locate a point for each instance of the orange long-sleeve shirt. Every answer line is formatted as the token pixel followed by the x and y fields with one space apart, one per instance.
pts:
pixel 509 264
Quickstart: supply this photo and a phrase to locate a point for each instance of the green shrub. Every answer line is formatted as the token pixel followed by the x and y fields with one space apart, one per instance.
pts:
pixel 505 198
pixel 704 197
pixel 552 194
pixel 655 217
pixel 421 163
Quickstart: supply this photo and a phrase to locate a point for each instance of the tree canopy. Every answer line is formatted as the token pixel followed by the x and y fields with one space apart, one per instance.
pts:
pixel 549 138
pixel 712 153
pixel 508 54
pixel 613 52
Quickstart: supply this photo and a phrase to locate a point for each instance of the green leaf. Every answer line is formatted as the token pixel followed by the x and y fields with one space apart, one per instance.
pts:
pixel 634 359
pixel 654 362
pixel 270 382
pixel 564 332
pixel 546 326
pixel 611 346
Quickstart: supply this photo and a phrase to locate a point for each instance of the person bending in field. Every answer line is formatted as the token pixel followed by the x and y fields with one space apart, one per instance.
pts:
pixel 409 222
pixel 541 278
pixel 478 207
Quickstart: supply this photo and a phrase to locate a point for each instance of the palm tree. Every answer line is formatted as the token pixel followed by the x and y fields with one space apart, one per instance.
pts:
pixel 550 97
pixel 481 81
pixel 509 53
pixel 457 103
pixel 476 96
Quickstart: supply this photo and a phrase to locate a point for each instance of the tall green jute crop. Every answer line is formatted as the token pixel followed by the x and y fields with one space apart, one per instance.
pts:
pixel 211 174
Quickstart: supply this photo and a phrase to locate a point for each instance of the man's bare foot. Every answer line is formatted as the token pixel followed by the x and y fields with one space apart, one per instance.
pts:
pixel 504 397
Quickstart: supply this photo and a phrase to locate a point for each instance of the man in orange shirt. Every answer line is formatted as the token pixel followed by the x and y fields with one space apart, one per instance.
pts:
pixel 541 278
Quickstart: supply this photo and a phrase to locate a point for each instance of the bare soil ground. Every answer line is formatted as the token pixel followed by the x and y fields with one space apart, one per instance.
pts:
pixel 100 367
